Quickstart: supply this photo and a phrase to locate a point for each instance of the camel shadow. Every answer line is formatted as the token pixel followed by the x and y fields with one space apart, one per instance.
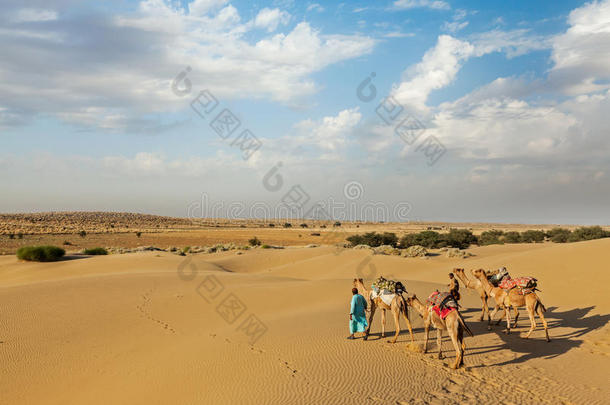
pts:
pixel 575 321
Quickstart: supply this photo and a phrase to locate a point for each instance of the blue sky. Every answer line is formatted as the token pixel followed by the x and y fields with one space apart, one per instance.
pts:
pixel 515 93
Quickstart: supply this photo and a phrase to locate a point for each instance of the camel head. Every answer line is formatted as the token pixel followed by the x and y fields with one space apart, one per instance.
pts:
pixel 458 270
pixel 411 299
pixel 479 273
pixel 358 280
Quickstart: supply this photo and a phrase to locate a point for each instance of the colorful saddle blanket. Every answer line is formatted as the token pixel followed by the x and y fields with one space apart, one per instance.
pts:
pixel 390 285
pixel 526 285
pixel 443 312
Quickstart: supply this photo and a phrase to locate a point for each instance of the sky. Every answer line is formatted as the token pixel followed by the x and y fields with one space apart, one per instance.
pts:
pixel 404 110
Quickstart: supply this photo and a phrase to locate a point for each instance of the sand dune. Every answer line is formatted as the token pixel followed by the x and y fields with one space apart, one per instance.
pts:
pixel 132 329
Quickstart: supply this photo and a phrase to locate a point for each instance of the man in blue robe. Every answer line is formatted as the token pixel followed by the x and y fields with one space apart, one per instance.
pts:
pixel 357 316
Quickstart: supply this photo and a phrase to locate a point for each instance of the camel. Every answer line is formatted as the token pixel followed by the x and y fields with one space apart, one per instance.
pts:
pixel 475 285
pixel 398 306
pixel 505 299
pixel 454 324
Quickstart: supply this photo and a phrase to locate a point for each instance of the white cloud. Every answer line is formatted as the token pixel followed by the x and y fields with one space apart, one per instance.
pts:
pixel 269 19
pixel 398 34
pixel 437 69
pixel 202 7
pixel 457 22
pixel 34 15
pixel 433 4
pixel 315 7
pixel 581 55
pixel 124 80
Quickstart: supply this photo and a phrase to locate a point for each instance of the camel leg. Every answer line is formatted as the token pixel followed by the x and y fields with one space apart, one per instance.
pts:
pixel 439 342
pixel 507 312
pixel 491 317
pixel 426 332
pixel 453 334
pixel 502 317
pixel 396 313
pixel 461 339
pixel 368 330
pixel 530 313
pixel 404 314
pixel 546 327
pixel 484 308
pixel 516 317
pixel 383 323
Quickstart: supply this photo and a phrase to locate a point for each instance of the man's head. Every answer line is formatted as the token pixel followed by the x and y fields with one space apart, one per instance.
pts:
pixel 450 275
pixel 354 291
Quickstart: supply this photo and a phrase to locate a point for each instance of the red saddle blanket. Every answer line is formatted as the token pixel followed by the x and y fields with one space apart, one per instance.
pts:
pixel 443 312
pixel 528 283
pixel 437 298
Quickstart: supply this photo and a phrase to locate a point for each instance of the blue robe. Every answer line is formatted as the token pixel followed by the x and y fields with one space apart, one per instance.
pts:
pixel 358 322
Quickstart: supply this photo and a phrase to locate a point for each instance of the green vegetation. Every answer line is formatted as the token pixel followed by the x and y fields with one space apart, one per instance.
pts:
pixel 254 241
pixel 532 236
pixel 287 225
pixel 82 234
pixel 559 235
pixel 265 246
pixel 95 251
pixel 374 239
pixel 512 237
pixel 40 253
pixel 491 238
pixel 186 250
pixel 456 238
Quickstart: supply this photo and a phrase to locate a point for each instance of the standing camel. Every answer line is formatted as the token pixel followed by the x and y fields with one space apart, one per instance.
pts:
pixel 475 285
pixel 505 299
pixel 453 323
pixel 398 306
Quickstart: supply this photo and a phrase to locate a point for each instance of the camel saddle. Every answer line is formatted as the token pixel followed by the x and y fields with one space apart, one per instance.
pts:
pixel 496 277
pixel 394 287
pixel 525 285
pixel 442 303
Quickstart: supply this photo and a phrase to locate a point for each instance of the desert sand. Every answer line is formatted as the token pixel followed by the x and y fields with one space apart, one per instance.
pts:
pixel 151 328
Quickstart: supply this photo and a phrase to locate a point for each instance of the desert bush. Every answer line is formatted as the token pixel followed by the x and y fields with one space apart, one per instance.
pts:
pixel 460 238
pixel 82 234
pixel 322 226
pixel 588 233
pixel 337 223
pixel 67 243
pixel 491 237
pixel 40 253
pixel 95 251
pixel 559 235
pixel 315 234
pixel 532 236
pixel 11 236
pixel 254 241
pixel 265 246
pixel 271 225
pixel 138 234
pixel 512 237
pixel 427 239
pixel 20 235
pixel 287 225
pixel 303 225
pixel 373 239
pixel 186 250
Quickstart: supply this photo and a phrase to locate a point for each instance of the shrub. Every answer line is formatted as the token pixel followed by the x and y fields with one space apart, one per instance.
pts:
pixel 186 250
pixel 271 225
pixel 67 243
pixel 374 239
pixel 40 253
pixel 588 233
pixel 20 235
pixel 287 225
pixel 315 234
pixel 82 234
pixel 491 238
pixel 559 235
pixel 138 234
pixel 303 225
pixel 460 238
pixel 532 236
pixel 428 239
pixel 265 246
pixel 254 241
pixel 95 251
pixel 512 237
pixel 11 236
pixel 337 224
pixel 322 226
